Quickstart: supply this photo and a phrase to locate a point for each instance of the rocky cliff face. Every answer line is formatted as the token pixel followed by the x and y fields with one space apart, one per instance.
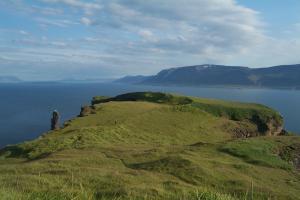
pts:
pixel 291 153
pixel 244 129
pixel 271 125
pixel 86 110
pixel 274 128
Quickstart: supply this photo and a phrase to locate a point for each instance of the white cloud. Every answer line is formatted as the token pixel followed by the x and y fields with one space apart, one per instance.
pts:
pixel 47 10
pixel 91 39
pixel 58 44
pixel 23 32
pixel 63 23
pixel 296 28
pixel 39 43
pixel 88 7
pixel 24 7
pixel 86 21
pixel 144 36
pixel 191 26
pixel 147 35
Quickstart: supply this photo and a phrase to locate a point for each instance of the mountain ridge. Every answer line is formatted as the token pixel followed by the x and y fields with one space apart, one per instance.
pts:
pixel 281 76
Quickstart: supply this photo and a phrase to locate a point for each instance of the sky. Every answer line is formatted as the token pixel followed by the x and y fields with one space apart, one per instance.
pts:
pixel 98 39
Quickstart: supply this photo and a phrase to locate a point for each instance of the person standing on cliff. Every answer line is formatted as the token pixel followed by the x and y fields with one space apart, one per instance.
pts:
pixel 55 120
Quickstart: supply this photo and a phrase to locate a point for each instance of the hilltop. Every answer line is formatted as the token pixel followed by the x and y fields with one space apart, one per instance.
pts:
pixel 284 76
pixel 149 145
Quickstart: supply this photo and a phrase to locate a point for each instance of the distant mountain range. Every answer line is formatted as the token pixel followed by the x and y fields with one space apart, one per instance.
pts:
pixel 13 79
pixel 94 80
pixel 9 79
pixel 283 76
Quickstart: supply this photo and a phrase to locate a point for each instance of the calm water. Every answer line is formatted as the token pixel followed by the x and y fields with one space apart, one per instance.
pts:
pixel 25 109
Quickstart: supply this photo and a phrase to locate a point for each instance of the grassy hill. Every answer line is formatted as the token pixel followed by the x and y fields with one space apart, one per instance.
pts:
pixel 157 146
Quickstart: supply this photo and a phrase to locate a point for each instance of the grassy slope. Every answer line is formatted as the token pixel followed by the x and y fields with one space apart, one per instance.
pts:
pixel 170 149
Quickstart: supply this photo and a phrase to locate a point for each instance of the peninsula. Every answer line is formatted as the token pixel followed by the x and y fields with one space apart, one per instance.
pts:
pixel 149 145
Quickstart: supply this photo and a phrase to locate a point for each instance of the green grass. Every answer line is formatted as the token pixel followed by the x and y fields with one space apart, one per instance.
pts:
pixel 257 151
pixel 204 195
pixel 232 110
pixel 154 146
pixel 155 97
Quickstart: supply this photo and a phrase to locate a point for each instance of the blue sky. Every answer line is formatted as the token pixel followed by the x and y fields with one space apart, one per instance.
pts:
pixel 62 39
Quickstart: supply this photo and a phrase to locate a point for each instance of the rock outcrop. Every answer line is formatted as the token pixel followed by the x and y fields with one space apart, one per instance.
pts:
pixel 55 120
pixel 269 126
pixel 86 110
pixel 291 154
pixel 274 128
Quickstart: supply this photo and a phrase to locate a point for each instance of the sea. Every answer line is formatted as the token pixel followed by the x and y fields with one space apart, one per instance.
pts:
pixel 25 108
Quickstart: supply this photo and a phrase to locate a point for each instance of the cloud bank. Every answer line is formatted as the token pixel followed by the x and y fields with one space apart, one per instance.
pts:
pixel 117 37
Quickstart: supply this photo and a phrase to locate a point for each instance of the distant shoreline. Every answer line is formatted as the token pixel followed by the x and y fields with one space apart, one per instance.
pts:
pixel 218 86
pixel 154 85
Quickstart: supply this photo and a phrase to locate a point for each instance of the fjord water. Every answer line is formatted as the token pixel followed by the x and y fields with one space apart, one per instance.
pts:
pixel 26 107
